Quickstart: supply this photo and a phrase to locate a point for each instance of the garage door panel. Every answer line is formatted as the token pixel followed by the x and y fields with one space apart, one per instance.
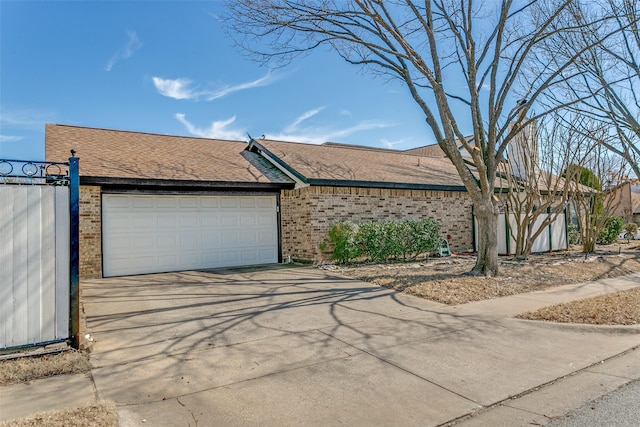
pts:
pixel 190 260
pixel 170 261
pixel 167 221
pixel 211 258
pixel 188 202
pixel 267 253
pixel 122 202
pixel 265 237
pixel 248 238
pixel 189 241
pixel 119 243
pixel 248 202
pixel 167 202
pixel 227 220
pixel 210 220
pixel 230 257
pixel 210 240
pixel 143 241
pixel 143 220
pixel 145 262
pixel 265 220
pixel 229 203
pixel 247 220
pixel 266 203
pixel 119 224
pixel 189 220
pixel 167 241
pixel 210 202
pixel 249 257
pixel 143 203
pixel 157 233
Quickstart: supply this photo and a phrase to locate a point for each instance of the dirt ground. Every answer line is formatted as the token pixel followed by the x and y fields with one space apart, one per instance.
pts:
pixel 444 280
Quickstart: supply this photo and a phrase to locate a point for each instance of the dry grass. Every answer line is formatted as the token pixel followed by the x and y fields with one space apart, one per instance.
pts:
pixel 31 368
pixel 103 414
pixel 621 308
pixel 444 280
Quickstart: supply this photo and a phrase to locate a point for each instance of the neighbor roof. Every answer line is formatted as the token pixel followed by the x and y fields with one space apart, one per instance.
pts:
pixel 635 199
pixel 113 154
pixel 336 164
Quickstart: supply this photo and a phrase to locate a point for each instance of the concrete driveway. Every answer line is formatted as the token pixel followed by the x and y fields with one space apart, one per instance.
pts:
pixel 300 346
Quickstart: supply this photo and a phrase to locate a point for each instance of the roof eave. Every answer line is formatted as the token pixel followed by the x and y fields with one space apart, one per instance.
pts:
pixel 165 183
pixel 383 184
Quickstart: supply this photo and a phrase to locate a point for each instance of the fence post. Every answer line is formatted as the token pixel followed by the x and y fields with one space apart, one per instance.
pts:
pixel 74 271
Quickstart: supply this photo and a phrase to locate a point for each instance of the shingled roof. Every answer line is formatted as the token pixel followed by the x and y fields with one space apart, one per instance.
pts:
pixel 108 155
pixel 334 164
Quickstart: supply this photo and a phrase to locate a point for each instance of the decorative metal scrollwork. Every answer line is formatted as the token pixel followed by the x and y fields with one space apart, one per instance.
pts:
pixel 33 172
pixel 29 169
pixel 5 168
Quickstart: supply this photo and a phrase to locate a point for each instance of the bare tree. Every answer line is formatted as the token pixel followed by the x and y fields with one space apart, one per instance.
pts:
pixel 603 176
pixel 460 60
pixel 605 84
pixel 534 175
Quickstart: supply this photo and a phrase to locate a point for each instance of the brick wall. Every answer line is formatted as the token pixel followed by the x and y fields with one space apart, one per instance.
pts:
pixel 295 216
pixel 90 232
pixel 308 213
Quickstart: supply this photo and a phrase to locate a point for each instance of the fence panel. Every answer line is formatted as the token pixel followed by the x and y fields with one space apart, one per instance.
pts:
pixel 552 238
pixel 34 264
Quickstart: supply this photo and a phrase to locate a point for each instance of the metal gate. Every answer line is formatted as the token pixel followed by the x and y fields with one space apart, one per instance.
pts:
pixel 38 253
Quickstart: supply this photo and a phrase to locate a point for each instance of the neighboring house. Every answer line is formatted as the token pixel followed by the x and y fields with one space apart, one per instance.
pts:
pixel 153 203
pixel 627 202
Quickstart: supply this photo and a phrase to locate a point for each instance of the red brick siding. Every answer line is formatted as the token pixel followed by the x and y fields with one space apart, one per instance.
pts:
pixel 307 214
pixel 90 232
pixel 296 223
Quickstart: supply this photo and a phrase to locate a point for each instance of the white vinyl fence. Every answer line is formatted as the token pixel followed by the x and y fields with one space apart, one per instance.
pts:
pixel 34 264
pixel 552 238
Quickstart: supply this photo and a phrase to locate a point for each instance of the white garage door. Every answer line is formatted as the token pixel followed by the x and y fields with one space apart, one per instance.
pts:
pixel 160 233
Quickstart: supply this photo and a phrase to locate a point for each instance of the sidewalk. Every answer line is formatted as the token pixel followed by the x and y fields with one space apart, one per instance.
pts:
pixel 419 363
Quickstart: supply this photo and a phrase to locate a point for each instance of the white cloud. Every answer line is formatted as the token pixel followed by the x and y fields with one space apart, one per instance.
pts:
pixel 392 144
pixel 295 132
pixel 301 118
pixel 217 130
pixel 133 44
pixel 177 89
pixel 24 118
pixel 10 138
pixel 184 88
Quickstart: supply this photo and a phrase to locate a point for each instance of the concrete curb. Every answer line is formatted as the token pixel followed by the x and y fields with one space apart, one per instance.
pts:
pixel 583 327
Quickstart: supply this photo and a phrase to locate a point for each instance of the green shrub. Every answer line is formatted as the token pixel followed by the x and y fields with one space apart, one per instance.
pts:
pixel 574 234
pixel 631 227
pixel 372 236
pixel 610 230
pixel 343 237
pixel 384 241
pixel 420 237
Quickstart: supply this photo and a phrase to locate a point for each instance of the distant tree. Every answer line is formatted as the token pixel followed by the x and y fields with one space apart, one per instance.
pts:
pixel 539 176
pixel 460 60
pixel 605 83
pixel 595 203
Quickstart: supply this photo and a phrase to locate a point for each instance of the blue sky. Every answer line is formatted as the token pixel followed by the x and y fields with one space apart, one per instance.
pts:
pixel 167 67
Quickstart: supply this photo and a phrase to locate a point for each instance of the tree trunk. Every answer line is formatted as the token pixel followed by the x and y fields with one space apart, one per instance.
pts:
pixel 487 262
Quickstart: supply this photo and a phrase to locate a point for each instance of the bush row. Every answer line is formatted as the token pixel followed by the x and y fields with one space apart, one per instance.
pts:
pixel 381 241
pixel 608 234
